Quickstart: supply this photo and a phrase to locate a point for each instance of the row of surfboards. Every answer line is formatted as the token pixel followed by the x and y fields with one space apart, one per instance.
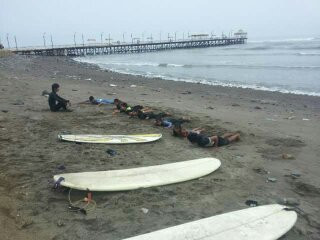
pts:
pixel 264 222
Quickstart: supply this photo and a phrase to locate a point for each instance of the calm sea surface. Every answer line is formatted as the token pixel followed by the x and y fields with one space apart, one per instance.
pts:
pixel 291 65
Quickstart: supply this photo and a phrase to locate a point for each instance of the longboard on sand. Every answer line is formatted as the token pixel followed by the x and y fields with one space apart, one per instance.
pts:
pixel 110 139
pixel 143 177
pixel 266 222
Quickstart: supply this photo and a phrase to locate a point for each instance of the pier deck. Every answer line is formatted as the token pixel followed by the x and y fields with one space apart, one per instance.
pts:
pixel 123 48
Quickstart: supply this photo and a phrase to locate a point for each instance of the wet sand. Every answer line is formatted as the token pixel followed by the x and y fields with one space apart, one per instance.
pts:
pixel 271 124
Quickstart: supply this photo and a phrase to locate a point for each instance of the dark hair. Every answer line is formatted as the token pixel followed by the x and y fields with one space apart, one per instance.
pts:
pixel 137 108
pixel 193 137
pixel 176 130
pixel 55 86
pixel 203 141
pixel 91 98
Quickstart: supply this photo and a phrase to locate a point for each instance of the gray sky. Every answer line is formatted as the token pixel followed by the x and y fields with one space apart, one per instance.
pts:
pixel 263 19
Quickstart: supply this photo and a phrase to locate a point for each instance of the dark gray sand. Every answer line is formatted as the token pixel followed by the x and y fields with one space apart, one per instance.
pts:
pixel 271 124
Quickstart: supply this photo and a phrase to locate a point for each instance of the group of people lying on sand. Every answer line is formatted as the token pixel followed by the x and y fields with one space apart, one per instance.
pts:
pixel 195 136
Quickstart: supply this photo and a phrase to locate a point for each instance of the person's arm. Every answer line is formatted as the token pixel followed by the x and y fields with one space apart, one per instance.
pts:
pixel 215 140
pixel 85 102
pixel 60 99
pixel 197 130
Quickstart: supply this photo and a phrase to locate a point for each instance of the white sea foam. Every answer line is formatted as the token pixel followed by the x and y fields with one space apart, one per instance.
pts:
pixel 283 40
pixel 203 81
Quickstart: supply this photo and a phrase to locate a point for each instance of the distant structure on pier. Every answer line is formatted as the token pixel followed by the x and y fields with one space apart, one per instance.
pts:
pixel 137 46
pixel 240 34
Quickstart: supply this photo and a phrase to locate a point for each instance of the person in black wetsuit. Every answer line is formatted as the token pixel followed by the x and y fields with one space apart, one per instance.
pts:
pixel 55 101
pixel 196 136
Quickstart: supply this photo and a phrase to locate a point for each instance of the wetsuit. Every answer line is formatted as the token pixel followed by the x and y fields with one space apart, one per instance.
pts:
pixel 205 141
pixel 56 102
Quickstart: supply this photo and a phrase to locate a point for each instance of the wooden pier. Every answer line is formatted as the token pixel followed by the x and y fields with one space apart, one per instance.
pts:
pixel 123 48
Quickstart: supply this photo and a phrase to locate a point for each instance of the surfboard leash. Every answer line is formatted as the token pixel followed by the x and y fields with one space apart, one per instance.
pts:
pixel 57 184
pixel 84 205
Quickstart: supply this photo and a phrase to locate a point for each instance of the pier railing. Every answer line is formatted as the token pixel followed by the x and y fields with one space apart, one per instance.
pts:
pixel 123 48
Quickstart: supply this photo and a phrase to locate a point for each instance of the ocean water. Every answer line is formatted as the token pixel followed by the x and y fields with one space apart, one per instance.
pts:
pixel 288 65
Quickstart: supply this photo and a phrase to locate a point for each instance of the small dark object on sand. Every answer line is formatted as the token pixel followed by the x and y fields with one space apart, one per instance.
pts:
pixel 111 152
pixel 4 111
pixel 251 203
pixel 287 156
pixel 257 107
pixel 77 209
pixel 18 102
pixel 260 170
pixel 45 93
pixel 271 179
pixel 61 167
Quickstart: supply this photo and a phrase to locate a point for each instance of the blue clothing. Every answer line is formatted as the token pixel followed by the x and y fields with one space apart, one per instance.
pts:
pixel 167 124
pixel 104 101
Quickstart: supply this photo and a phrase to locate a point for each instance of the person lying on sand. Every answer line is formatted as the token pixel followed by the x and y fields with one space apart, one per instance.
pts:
pixel 150 114
pixel 98 101
pixel 217 141
pixel 55 101
pixel 196 136
pixel 118 104
pixel 170 122
pixel 134 111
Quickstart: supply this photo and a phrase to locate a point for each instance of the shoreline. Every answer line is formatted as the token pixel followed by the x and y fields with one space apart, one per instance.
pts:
pixel 271 124
pixel 203 82
pixel 216 88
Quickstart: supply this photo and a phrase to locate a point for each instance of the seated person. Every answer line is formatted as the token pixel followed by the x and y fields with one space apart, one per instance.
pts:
pixel 170 122
pixel 98 101
pixel 55 101
pixel 217 141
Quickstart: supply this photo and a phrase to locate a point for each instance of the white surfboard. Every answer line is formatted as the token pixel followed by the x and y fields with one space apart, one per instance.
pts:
pixel 267 222
pixel 143 177
pixel 110 139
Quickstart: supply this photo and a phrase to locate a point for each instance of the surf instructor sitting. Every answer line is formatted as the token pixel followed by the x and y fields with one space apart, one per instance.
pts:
pixel 55 101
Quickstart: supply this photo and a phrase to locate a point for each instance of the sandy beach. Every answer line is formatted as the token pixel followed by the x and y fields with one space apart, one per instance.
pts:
pixel 271 124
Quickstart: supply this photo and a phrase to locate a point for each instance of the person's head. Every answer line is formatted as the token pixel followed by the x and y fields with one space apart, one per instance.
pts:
pixel 123 106
pixel 193 137
pixel 55 87
pixel 91 98
pixel 178 131
pixel 116 101
pixel 158 121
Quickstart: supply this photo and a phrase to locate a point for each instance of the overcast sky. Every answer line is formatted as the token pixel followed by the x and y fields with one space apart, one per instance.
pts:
pixel 262 19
